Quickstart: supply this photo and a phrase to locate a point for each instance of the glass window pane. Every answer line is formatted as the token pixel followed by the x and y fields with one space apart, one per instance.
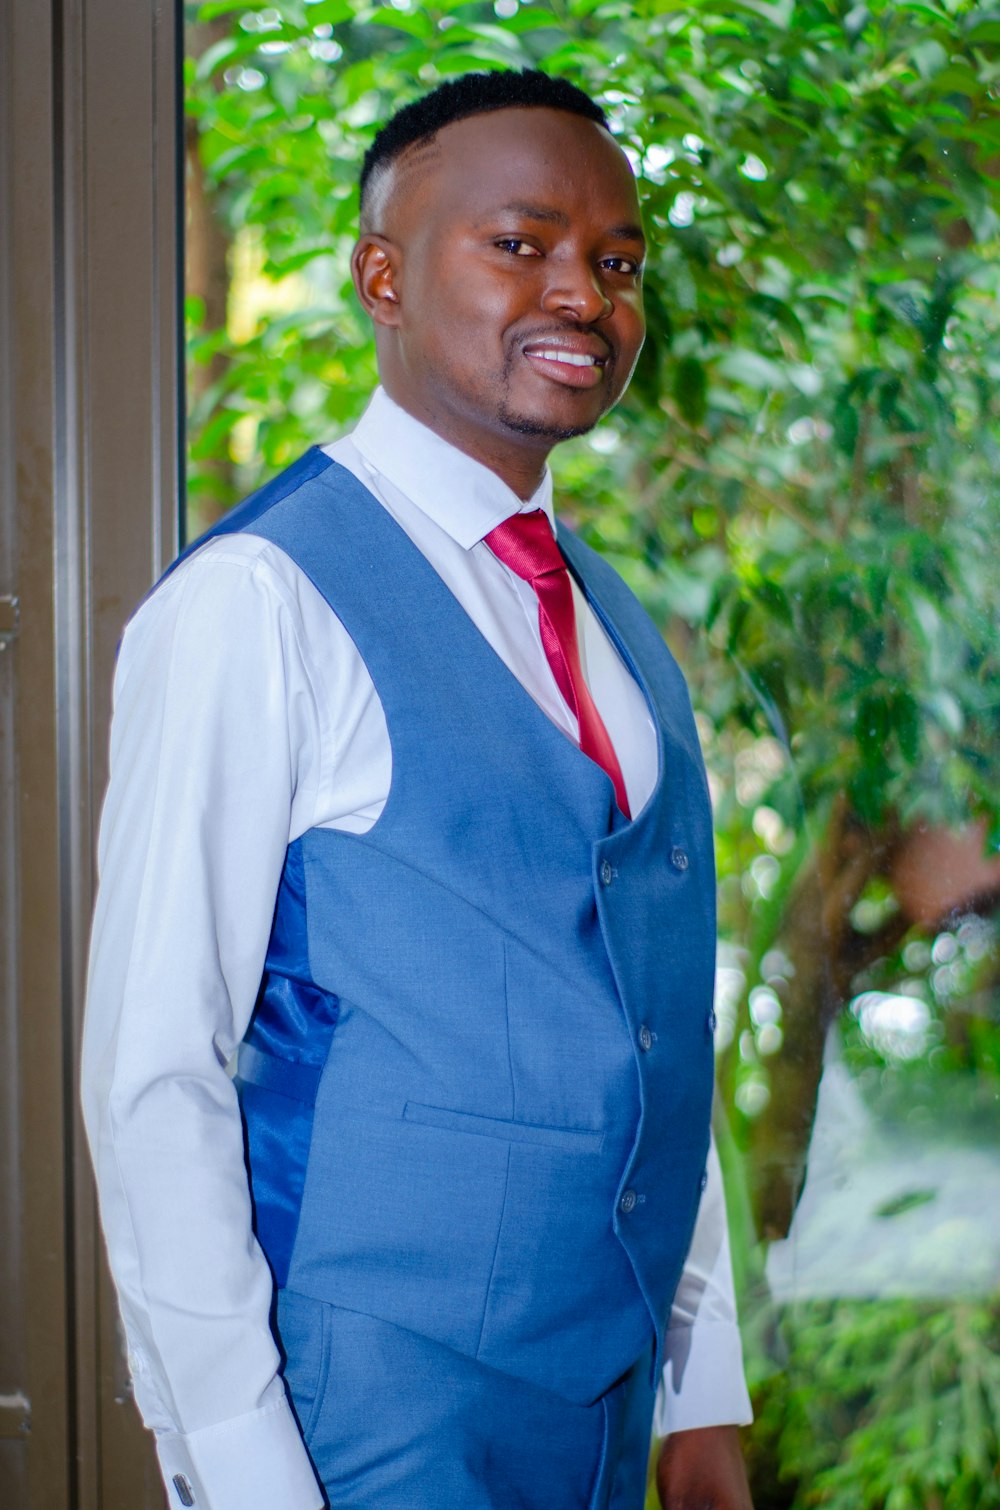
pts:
pixel 800 485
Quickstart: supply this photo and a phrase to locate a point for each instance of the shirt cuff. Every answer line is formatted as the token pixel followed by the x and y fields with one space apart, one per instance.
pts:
pixel 702 1383
pixel 252 1462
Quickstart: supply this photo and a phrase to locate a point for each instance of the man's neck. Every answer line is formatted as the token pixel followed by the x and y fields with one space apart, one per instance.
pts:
pixel 519 461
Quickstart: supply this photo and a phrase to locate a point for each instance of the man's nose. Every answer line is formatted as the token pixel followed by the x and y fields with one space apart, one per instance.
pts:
pixel 575 289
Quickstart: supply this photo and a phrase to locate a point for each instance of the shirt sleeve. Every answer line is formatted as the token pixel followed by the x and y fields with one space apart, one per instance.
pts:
pixel 212 708
pixel 703 1382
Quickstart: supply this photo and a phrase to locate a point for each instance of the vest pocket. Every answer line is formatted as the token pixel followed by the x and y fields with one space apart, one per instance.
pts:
pixel 569 1139
pixel 303 1326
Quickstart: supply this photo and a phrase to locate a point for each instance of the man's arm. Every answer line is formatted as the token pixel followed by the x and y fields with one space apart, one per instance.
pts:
pixel 193 838
pixel 703 1395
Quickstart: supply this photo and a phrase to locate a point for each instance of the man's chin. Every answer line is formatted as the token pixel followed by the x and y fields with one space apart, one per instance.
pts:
pixel 544 429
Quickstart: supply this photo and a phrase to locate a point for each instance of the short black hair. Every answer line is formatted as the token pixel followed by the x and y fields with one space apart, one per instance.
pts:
pixel 473 94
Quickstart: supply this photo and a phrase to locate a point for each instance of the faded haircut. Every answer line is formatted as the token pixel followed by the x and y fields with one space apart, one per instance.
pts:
pixel 470 94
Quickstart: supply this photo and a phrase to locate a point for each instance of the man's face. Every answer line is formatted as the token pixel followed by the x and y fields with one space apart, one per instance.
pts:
pixel 506 282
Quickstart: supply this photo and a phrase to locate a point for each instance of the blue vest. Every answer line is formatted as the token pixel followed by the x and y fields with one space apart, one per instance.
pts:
pixel 478 1079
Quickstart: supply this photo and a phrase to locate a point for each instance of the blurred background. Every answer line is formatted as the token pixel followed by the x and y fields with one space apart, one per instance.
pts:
pixel 801 486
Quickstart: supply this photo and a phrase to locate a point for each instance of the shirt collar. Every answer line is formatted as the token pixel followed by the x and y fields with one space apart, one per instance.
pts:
pixel 460 495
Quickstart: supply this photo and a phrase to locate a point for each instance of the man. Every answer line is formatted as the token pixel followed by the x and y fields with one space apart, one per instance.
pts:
pixel 416 821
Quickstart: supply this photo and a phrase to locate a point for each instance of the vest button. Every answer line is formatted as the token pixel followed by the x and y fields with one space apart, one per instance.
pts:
pixel 606 872
pixel 713 1021
pixel 627 1202
pixel 679 858
pixel 704 1180
pixel 645 1039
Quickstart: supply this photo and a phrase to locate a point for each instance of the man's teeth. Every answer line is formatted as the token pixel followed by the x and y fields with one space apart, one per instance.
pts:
pixel 571 358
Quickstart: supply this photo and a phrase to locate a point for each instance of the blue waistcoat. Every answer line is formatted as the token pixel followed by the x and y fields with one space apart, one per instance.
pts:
pixel 478 1079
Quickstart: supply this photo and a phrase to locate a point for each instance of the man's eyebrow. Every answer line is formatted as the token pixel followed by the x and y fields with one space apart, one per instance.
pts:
pixel 630 232
pixel 533 212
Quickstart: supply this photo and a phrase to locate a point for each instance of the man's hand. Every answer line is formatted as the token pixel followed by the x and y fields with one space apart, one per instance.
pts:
pixel 703 1470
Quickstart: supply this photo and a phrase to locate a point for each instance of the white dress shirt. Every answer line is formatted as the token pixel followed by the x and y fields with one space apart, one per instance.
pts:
pixel 244 715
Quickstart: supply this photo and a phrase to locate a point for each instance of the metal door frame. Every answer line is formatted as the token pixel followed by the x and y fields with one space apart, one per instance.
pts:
pixel 90 474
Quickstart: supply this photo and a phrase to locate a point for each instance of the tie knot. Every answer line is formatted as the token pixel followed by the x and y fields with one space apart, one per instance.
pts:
pixel 525 543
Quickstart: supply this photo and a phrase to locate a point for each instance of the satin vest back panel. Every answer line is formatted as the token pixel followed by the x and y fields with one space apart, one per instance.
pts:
pixel 478 1080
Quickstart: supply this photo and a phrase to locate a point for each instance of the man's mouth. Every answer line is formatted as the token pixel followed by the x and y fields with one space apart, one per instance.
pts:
pixel 574 358
pixel 574 364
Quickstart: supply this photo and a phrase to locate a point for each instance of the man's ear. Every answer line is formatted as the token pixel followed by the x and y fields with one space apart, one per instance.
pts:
pixel 375 268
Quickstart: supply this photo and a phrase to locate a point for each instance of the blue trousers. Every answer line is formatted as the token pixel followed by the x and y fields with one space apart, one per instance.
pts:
pixel 394 1421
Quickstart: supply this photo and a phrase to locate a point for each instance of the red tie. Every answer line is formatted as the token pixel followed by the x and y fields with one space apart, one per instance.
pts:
pixel 526 544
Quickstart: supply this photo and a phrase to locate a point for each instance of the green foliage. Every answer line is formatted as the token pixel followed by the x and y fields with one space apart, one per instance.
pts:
pixel 812 433
pixel 888 1406
pixel 800 486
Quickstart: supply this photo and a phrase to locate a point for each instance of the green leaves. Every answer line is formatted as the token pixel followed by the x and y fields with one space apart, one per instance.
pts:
pixel 800 483
pixel 818 388
pixel 927 1380
pixel 690 388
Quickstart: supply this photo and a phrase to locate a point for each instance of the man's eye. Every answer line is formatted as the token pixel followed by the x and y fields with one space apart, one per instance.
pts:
pixel 516 247
pixel 627 265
